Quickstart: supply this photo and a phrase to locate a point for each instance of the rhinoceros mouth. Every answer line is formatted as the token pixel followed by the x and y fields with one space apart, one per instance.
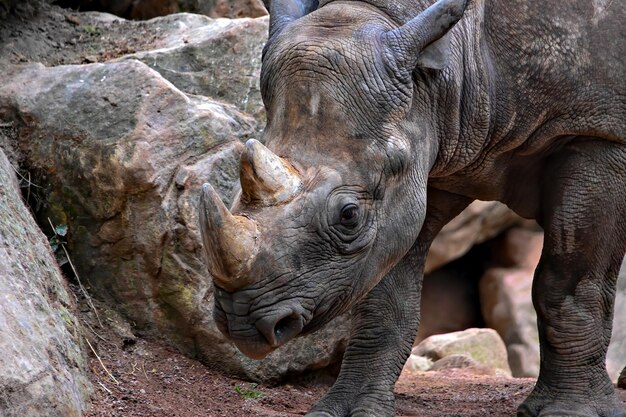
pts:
pixel 253 349
pixel 256 334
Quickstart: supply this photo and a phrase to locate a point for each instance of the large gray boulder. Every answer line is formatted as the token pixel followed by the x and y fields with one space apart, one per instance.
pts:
pixel 42 369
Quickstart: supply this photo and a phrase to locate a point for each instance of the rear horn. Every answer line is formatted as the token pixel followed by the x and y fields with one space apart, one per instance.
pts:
pixel 266 179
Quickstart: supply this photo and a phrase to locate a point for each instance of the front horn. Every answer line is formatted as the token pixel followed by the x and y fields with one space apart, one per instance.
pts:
pixel 230 242
pixel 266 179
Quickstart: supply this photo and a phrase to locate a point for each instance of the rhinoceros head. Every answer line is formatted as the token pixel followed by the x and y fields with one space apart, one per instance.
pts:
pixel 337 195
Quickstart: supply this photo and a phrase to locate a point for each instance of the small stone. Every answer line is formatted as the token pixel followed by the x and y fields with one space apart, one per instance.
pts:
pixel 454 362
pixel 621 382
pixel 418 363
pixel 72 19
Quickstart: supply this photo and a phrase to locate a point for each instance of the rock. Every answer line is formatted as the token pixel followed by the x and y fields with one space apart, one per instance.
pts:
pixel 130 9
pixel 484 346
pixel 505 297
pixel 30 6
pixel 220 59
pixel 418 363
pixel 42 369
pixel 454 362
pixel 621 382
pixel 479 222
pixel 123 171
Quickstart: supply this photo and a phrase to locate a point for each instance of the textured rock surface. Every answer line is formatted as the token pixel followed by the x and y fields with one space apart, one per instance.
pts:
pixel 7 6
pixel 418 363
pixel 218 58
pixel 621 382
pixel 480 221
pixel 41 365
pixel 450 299
pixel 484 346
pixel 455 361
pixel 505 296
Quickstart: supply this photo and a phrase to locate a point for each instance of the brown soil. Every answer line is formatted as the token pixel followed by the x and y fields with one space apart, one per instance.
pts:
pixel 152 380
pixel 56 36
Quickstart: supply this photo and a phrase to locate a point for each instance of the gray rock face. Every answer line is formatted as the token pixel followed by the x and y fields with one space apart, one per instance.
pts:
pixel 224 8
pixel 42 370
pixel 220 59
pixel 455 361
pixel 147 9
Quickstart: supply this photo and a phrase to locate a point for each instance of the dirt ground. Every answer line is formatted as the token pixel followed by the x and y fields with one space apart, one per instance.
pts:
pixel 150 380
pixel 154 381
pixel 55 36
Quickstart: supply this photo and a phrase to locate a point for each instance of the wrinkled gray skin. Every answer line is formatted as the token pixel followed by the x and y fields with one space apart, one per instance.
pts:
pixel 376 105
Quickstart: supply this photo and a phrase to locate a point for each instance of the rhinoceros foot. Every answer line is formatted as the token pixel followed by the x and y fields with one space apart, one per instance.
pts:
pixel 601 406
pixel 353 405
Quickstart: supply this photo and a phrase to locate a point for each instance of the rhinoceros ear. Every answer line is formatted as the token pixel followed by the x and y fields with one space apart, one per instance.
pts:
pixel 422 41
pixel 282 12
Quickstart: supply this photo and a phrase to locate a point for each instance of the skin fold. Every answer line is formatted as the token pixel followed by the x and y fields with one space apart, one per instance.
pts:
pixel 385 120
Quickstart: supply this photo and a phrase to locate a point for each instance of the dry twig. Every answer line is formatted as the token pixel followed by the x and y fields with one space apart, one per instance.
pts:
pixel 105 388
pixel 102 363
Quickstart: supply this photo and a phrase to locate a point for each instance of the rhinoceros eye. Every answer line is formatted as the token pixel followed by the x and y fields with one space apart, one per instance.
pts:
pixel 349 215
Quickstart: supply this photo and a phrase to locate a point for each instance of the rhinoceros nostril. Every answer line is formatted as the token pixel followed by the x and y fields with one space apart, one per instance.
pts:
pixel 279 329
pixel 285 325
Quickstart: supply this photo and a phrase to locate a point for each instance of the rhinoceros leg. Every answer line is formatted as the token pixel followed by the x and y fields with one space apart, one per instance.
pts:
pixel 584 202
pixel 384 328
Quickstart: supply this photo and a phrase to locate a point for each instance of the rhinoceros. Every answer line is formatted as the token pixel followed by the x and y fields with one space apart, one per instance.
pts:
pixel 385 118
